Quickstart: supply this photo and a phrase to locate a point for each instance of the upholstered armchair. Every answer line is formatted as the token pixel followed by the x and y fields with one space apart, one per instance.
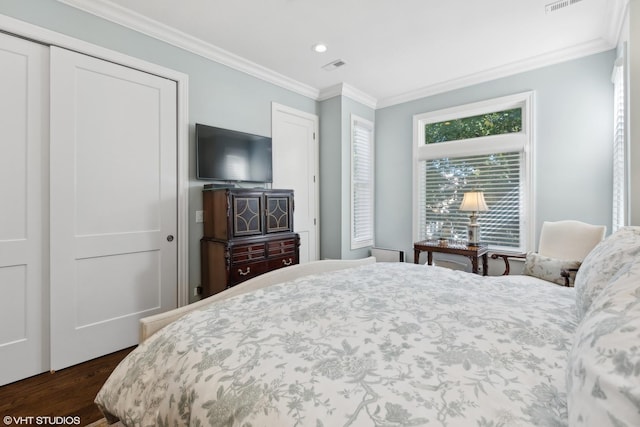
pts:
pixel 562 247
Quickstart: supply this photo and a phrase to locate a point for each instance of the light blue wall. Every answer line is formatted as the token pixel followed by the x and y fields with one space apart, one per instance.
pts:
pixel 335 176
pixel 573 105
pixel 218 95
pixel 573 131
pixel 331 178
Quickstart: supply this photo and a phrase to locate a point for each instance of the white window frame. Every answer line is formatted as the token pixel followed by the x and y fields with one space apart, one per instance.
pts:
pixel 620 188
pixel 522 141
pixel 358 242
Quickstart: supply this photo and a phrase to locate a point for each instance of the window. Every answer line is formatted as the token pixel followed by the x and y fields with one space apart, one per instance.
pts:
pixel 484 146
pixel 619 147
pixel 361 182
pixel 495 123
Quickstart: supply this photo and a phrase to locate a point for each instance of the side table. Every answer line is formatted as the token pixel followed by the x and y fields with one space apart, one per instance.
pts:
pixel 473 252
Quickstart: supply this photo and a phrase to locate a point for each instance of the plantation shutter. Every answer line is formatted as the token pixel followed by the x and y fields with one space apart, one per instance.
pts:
pixel 361 183
pixel 443 184
pixel 619 148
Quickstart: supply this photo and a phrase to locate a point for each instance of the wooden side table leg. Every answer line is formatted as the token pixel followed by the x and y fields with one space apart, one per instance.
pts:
pixel 485 264
pixel 429 257
pixel 416 256
pixel 474 264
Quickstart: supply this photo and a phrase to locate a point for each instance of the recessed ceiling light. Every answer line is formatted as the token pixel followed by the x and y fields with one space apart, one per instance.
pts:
pixel 319 47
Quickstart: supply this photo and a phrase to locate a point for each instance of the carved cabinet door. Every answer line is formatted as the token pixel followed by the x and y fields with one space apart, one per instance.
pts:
pixel 247 217
pixel 279 213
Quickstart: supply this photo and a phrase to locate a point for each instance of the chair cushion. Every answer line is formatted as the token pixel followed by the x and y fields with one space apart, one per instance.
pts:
pixel 569 239
pixel 603 372
pixel 602 263
pixel 546 268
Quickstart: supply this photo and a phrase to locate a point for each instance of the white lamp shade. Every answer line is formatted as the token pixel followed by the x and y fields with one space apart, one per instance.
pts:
pixel 474 201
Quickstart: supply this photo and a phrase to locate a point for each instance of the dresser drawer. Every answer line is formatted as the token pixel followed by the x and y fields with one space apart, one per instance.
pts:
pixel 281 247
pixel 283 261
pixel 250 252
pixel 241 272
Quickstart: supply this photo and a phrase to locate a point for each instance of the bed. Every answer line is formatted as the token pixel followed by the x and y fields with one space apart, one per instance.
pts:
pixel 395 344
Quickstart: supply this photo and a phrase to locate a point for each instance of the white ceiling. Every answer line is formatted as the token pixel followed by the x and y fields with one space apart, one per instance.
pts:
pixel 395 50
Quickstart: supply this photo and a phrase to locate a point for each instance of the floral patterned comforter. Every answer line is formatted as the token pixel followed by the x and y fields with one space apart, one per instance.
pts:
pixel 388 344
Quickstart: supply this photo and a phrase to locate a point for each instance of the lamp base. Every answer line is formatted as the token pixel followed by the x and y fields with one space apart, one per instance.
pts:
pixel 473 234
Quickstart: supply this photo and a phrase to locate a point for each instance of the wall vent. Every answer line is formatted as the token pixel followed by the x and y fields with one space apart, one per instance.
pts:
pixel 552 7
pixel 334 64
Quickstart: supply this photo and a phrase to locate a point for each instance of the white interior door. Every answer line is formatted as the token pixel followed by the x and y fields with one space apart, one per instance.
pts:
pixel 113 204
pixel 24 100
pixel 295 166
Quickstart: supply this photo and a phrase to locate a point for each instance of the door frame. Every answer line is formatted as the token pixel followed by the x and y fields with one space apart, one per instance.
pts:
pixel 48 37
pixel 275 107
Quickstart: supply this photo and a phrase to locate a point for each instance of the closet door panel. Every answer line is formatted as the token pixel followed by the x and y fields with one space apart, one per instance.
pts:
pixel 113 204
pixel 129 275
pixel 24 67
pixel 117 167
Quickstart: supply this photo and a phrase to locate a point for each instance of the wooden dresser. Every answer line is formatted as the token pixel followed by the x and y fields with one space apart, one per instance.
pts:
pixel 247 232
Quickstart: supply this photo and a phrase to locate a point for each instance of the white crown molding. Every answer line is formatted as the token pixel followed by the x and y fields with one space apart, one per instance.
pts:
pixel 137 22
pixel 359 96
pixel 344 89
pixel 556 57
pixel 330 92
pixel 615 23
pixel 122 16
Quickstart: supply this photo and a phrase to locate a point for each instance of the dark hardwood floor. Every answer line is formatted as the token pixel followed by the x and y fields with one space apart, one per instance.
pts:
pixel 66 393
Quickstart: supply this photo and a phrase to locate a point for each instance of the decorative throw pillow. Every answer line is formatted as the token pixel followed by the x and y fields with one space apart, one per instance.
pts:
pixel 546 268
pixel 602 263
pixel 603 372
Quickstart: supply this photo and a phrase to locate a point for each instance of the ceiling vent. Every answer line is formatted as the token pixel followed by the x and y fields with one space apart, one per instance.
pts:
pixel 552 7
pixel 334 64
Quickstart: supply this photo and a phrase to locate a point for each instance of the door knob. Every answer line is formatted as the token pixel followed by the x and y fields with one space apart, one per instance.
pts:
pixel 170 238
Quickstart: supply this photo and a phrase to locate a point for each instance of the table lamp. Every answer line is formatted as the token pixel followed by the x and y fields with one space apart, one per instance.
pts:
pixel 473 202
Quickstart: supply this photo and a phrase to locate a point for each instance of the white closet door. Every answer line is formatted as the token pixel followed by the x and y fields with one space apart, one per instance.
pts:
pixel 295 166
pixel 113 204
pixel 24 100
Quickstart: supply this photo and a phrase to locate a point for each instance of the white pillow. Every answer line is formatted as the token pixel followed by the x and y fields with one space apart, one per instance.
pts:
pixel 603 373
pixel 546 268
pixel 602 263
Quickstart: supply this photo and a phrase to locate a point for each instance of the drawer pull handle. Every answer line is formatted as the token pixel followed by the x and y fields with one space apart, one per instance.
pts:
pixel 244 273
pixel 287 262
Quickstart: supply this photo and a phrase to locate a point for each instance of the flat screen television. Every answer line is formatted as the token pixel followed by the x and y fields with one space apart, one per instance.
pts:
pixel 228 155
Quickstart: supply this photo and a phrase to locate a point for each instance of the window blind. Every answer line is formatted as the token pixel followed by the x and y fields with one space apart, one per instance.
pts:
pixel 619 149
pixel 444 181
pixel 361 184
